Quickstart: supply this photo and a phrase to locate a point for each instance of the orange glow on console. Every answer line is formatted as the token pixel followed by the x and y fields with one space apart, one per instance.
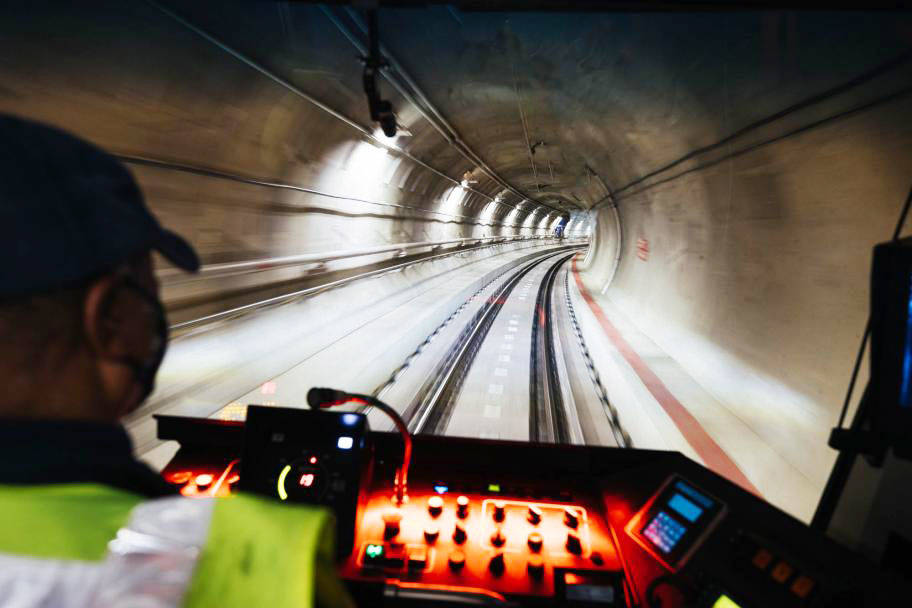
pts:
pixel 474 542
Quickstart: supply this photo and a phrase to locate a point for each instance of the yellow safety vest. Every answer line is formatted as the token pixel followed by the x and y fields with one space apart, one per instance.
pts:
pixel 90 545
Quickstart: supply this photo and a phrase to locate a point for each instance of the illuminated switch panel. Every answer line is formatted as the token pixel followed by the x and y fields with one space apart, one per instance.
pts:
pixel 204 480
pixel 476 541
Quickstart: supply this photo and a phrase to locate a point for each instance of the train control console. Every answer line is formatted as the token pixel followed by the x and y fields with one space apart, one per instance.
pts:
pixel 482 522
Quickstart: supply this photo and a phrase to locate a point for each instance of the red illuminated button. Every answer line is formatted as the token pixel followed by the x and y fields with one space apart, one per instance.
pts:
pixel 802 586
pixel 535 541
pixel 536 567
pixel 499 511
pixel 574 545
pixel 781 572
pixel 391 521
pixel 459 534
pixel 435 505
pixel 571 517
pixel 498 539
pixel 762 559
pixel 457 561
pixel 497 564
pixel 462 506
pixel 431 532
pixel 535 515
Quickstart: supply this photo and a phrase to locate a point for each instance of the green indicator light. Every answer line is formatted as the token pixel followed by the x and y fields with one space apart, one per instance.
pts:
pixel 493 487
pixel 374 551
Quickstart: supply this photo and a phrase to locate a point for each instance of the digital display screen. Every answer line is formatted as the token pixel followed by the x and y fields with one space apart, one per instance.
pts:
pixel 664 532
pixel 905 394
pixel 685 508
pixel 697 497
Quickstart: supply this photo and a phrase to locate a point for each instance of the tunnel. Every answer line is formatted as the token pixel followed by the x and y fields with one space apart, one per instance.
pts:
pixel 700 190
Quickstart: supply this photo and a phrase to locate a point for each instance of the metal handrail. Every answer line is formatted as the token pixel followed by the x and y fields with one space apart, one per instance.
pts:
pixel 225 314
pixel 323 257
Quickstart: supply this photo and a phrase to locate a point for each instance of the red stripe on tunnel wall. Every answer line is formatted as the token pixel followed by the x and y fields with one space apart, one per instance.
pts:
pixel 704 445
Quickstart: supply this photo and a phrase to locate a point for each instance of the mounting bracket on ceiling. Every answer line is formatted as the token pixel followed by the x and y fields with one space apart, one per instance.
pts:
pixel 381 110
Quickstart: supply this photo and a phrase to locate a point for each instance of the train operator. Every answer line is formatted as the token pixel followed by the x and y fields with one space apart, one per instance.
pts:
pixel 82 334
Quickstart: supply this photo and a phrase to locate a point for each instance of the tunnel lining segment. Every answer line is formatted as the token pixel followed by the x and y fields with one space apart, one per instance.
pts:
pixel 704 445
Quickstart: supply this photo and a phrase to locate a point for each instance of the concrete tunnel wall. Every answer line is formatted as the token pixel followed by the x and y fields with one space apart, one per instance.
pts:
pixel 755 279
pixel 752 274
pixel 139 84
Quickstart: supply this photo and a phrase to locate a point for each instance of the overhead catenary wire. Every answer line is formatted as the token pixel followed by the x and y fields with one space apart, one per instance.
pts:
pixel 303 95
pixel 413 94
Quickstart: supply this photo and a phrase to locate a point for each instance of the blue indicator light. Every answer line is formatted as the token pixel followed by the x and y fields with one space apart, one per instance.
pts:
pixel 441 489
pixel 345 443
pixel 349 419
pixel 689 510
pixel 905 394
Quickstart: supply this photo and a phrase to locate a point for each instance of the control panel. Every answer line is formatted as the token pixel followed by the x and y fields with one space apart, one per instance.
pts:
pixel 310 457
pixel 485 522
pixel 505 545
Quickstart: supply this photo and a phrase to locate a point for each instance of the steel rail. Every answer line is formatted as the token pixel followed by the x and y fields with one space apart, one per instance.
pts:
pixel 614 422
pixel 548 421
pixel 432 410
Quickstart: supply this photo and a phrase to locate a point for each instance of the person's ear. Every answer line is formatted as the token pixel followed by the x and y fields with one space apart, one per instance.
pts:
pixel 105 317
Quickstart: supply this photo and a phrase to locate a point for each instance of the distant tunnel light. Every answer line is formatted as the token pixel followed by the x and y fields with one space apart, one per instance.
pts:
pixel 345 443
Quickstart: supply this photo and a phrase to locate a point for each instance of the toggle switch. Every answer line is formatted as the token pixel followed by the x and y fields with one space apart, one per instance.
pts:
pixel 457 561
pixel 498 539
pixel 574 545
pixel 435 506
pixel 571 517
pixel 462 507
pixel 535 515
pixel 431 533
pixel 391 521
pixel 459 534
pixel 536 567
pixel 497 564
pixel 499 511
pixel 535 541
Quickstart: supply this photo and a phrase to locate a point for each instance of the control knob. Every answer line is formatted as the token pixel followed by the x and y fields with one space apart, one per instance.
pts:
pixel 431 532
pixel 459 534
pixel 435 505
pixel 499 511
pixel 535 515
pixel 457 561
pixel 536 567
pixel 497 564
pixel 462 507
pixel 498 539
pixel 571 517
pixel 391 521
pixel 535 541
pixel 574 545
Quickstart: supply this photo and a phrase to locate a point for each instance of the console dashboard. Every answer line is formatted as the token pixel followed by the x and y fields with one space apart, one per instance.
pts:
pixel 506 523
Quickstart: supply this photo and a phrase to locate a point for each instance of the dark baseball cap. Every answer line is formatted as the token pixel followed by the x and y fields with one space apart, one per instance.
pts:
pixel 69 212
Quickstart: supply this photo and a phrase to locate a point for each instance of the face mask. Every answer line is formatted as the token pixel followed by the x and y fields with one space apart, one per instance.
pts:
pixel 145 370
